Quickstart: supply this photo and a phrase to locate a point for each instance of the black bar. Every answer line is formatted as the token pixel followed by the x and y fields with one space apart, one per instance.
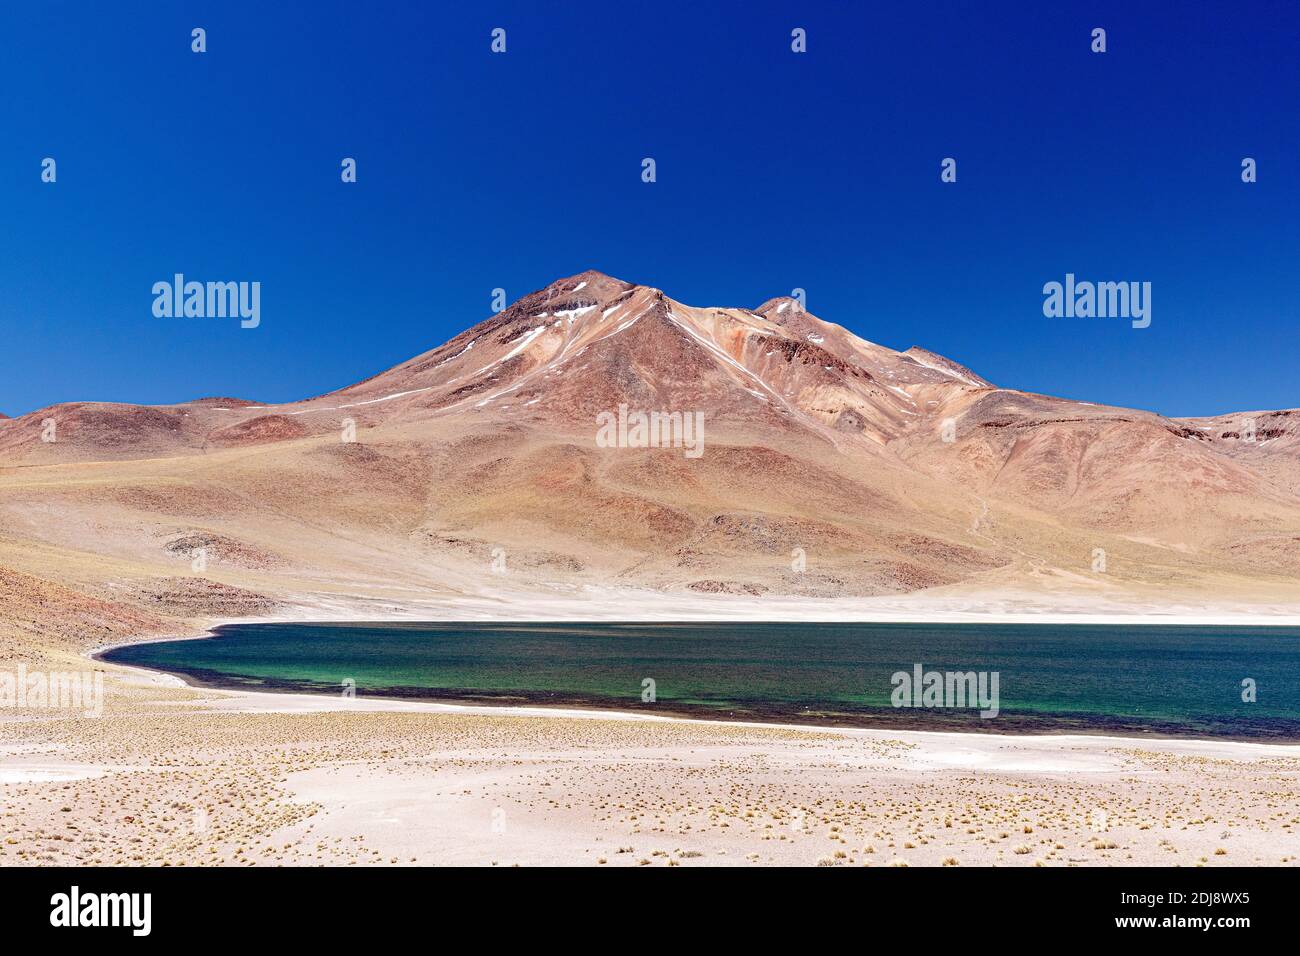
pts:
pixel 926 907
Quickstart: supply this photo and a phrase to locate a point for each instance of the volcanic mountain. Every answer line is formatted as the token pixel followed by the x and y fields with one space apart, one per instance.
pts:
pixel 832 467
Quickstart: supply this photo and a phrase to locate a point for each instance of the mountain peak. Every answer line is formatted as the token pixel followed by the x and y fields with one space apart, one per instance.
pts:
pixel 592 281
pixel 780 304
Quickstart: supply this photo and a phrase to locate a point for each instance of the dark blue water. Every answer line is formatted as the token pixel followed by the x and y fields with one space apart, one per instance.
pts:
pixel 1051 678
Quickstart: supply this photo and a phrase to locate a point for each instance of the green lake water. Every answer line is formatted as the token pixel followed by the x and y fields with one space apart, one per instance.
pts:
pixel 1164 680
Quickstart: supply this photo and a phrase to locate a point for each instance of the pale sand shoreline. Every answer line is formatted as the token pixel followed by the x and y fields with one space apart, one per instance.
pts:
pixel 274 702
pixel 636 605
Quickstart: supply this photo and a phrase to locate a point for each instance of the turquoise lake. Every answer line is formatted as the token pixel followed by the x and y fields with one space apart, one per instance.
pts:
pixel 1152 679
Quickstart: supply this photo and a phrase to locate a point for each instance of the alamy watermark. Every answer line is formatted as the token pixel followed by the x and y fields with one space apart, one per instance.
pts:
pixel 1102 300
pixel 651 430
pixel 211 300
pixel 75 908
pixel 59 690
pixel 922 688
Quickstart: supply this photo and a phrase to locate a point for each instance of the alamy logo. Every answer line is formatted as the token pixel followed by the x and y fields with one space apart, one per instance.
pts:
pixel 59 690
pixel 1102 300
pixel 74 908
pixel 922 688
pixel 210 300
pixel 651 430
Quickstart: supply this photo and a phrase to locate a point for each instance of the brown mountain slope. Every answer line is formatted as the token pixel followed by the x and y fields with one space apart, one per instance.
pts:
pixel 830 466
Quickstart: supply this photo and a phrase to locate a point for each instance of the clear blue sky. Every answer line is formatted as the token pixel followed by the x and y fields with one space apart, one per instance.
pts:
pixel 775 171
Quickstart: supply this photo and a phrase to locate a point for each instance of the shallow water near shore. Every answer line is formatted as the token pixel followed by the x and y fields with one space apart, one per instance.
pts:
pixel 1148 680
